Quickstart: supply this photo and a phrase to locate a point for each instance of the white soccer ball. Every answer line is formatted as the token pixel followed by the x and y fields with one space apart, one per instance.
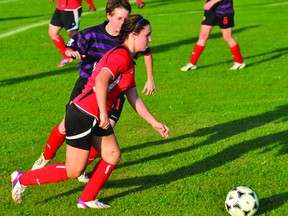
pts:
pixel 241 201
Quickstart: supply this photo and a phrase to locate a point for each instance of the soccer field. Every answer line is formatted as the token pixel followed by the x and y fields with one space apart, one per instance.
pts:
pixel 227 128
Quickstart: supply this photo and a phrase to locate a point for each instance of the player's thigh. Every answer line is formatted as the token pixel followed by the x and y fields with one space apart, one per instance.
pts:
pixel 108 147
pixel 76 160
pixel 53 31
pixel 226 33
pixel 204 34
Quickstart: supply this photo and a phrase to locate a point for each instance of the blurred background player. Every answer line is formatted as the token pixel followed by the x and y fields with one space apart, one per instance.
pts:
pixel 67 15
pixel 140 3
pixel 221 13
pixel 90 45
pixel 91 5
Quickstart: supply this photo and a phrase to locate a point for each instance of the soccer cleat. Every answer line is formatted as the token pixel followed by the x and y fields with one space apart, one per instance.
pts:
pixel 64 61
pixel 17 188
pixel 40 162
pixel 83 178
pixel 92 9
pixel 91 204
pixel 238 66
pixel 188 66
pixel 140 6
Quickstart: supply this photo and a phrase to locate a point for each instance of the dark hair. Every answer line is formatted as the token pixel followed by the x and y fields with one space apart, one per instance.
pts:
pixel 112 4
pixel 133 23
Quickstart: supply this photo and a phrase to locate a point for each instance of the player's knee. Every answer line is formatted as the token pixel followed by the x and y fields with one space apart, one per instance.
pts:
pixel 112 157
pixel 74 172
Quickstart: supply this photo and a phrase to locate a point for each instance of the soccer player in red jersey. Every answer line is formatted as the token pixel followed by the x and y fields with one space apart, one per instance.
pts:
pixel 221 13
pixel 67 15
pixel 93 43
pixel 87 122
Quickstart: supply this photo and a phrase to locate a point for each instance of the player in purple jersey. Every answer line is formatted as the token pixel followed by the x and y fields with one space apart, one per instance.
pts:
pixel 221 13
pixel 90 45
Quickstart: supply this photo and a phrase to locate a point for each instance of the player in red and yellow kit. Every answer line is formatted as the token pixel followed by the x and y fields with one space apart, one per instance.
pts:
pixel 87 122
pixel 67 15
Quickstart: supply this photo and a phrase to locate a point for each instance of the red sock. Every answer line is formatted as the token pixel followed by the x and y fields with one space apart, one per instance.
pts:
pixel 92 155
pixel 54 142
pixel 196 54
pixel 53 173
pixel 97 180
pixel 235 50
pixel 60 45
pixel 91 4
pixel 139 2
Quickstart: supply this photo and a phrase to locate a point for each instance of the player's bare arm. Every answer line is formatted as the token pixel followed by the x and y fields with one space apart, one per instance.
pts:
pixel 140 107
pixel 149 87
pixel 101 89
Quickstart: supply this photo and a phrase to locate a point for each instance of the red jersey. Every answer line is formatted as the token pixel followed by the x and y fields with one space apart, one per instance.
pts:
pixel 121 66
pixel 68 4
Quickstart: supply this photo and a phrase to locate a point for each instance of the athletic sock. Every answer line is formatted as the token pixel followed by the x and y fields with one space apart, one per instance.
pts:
pixel 97 180
pixel 235 50
pixel 196 54
pixel 139 2
pixel 92 155
pixel 54 142
pixel 52 173
pixel 60 45
pixel 91 4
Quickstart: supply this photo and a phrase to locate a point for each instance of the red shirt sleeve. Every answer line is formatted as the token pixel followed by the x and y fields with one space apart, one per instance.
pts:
pixel 118 62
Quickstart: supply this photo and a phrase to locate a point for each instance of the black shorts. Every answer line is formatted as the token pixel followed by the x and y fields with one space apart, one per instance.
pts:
pixel 81 127
pixel 223 21
pixel 68 19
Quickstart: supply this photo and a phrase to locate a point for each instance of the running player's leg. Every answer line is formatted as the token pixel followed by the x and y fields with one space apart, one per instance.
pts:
pixel 208 22
pixel 111 156
pixel 91 5
pixel 58 133
pixel 226 24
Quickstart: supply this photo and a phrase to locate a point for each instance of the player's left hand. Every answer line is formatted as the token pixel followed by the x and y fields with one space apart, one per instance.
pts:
pixel 162 129
pixel 149 87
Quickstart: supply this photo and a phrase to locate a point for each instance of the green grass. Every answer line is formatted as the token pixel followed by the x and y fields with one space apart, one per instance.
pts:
pixel 227 128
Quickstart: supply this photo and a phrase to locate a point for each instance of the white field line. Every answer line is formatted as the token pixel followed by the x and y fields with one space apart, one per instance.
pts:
pixel 7 34
pixel 7 1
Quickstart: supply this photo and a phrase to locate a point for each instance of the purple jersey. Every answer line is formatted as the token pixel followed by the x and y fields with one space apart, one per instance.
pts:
pixel 222 8
pixel 93 42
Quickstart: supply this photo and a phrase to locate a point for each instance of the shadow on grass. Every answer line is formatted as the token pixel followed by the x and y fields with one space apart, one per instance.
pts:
pixel 267 56
pixel 272 202
pixel 17 80
pixel 19 17
pixel 192 41
pixel 215 134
